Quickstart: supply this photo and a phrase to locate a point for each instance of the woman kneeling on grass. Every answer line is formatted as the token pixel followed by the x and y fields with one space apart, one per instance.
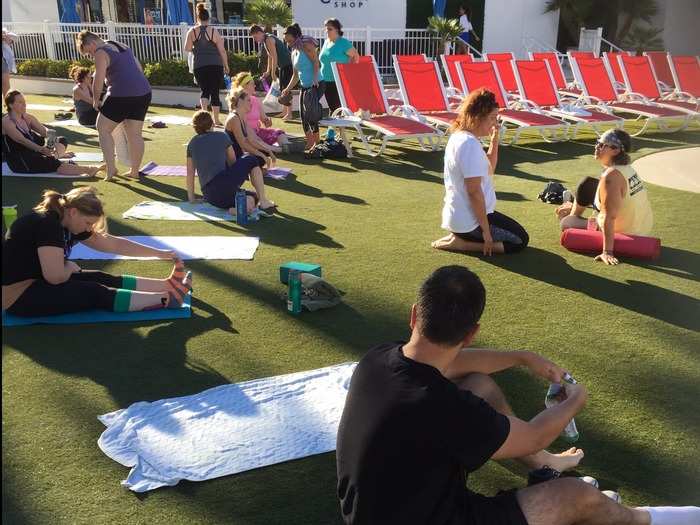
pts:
pixel 221 174
pixel 469 212
pixel 38 279
pixel 620 196
pixel 24 139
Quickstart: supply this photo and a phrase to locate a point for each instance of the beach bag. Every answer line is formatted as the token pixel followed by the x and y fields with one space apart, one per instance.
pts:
pixel 553 193
pixel 271 102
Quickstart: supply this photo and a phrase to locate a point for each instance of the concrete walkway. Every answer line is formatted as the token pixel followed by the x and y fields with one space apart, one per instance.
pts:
pixel 678 169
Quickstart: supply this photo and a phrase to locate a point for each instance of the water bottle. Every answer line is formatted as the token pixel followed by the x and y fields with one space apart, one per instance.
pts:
pixel 294 292
pixel 50 138
pixel 570 432
pixel 330 135
pixel 227 82
pixel 241 207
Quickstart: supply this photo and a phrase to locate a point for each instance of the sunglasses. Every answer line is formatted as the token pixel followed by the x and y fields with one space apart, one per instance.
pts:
pixel 601 145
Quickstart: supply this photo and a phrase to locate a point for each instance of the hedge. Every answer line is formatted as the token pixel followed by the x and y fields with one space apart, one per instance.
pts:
pixel 164 73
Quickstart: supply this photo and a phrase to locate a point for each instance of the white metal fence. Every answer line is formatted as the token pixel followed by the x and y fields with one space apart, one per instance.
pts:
pixel 155 43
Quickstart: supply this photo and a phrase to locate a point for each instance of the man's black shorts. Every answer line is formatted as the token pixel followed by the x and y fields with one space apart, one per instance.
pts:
pixel 501 509
pixel 118 109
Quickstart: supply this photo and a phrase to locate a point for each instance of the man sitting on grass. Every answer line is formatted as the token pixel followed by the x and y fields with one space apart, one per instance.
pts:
pixel 420 416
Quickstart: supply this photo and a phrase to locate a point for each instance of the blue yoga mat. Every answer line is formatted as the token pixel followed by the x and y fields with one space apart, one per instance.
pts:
pixel 102 316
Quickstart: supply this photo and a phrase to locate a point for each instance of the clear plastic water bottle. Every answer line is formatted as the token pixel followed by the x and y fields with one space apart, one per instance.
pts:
pixel 294 292
pixel 227 82
pixel 330 135
pixel 50 138
pixel 570 432
pixel 241 207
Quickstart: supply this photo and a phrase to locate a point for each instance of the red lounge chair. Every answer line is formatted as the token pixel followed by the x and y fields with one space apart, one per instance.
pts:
pixel 569 89
pixel 423 92
pixel 484 74
pixel 449 65
pixel 640 80
pixel 360 89
pixel 659 62
pixel 411 58
pixel 598 89
pixel 686 75
pixel 505 70
pixel 610 58
pixel 538 91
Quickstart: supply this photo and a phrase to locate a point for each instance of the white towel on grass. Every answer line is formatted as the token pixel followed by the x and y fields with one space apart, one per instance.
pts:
pixel 48 107
pixel 171 119
pixel 177 211
pixel 213 247
pixel 7 172
pixel 227 429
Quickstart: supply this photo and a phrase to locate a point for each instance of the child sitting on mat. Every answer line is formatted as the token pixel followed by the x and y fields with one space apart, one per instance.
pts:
pixel 620 196
pixel 39 280
pixel 256 119
pixel 221 172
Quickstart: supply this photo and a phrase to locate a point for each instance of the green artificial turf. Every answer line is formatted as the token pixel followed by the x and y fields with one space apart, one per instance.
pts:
pixel 629 333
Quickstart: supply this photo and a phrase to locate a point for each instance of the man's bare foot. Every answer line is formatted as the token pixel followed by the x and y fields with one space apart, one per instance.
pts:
pixel 566 460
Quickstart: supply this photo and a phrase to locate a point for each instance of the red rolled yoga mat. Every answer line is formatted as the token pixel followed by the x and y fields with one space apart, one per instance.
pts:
pixel 589 241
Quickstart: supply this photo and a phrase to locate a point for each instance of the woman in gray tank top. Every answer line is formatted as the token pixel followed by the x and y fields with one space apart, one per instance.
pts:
pixel 127 99
pixel 210 61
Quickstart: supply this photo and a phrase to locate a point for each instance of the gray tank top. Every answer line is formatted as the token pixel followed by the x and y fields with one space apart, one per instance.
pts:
pixel 204 49
pixel 124 77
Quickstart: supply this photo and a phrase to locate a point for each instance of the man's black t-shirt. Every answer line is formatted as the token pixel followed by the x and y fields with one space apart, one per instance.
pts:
pixel 20 259
pixel 407 439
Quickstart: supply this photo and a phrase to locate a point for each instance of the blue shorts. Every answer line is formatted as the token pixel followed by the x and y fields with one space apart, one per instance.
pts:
pixel 221 190
pixel 464 36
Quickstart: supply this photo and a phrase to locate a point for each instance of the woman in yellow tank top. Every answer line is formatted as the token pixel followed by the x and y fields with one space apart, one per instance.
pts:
pixel 620 196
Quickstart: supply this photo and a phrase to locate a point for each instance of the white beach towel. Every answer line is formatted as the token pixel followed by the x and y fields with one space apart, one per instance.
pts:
pixel 227 429
pixel 70 123
pixel 48 107
pixel 7 172
pixel 177 211
pixel 217 247
pixel 171 119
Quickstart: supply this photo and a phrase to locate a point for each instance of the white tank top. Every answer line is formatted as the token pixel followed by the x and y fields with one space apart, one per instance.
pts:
pixel 635 216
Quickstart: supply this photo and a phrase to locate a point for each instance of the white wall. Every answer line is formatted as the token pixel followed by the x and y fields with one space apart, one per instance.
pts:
pixel 681 26
pixel 30 10
pixel 507 22
pixel 385 14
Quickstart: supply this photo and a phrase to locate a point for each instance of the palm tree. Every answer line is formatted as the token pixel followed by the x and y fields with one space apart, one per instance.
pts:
pixel 268 13
pixel 634 10
pixel 446 29
pixel 573 14
pixel 644 39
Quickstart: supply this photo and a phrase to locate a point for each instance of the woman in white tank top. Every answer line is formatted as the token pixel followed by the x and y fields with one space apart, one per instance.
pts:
pixel 620 196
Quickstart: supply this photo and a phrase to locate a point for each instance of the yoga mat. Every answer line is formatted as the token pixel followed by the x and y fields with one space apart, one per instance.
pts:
pixel 87 156
pixel 102 316
pixel 164 171
pixel 171 119
pixel 49 107
pixel 7 172
pixel 589 241
pixel 70 123
pixel 278 173
pixel 177 211
pixel 227 429
pixel 220 247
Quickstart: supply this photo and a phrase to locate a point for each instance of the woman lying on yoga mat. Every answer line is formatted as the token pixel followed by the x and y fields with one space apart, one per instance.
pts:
pixel 23 146
pixel 38 279
pixel 620 196
pixel 469 212
pixel 221 171
pixel 244 140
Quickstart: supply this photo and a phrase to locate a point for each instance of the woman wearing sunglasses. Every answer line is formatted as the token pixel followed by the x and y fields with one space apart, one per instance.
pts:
pixel 619 196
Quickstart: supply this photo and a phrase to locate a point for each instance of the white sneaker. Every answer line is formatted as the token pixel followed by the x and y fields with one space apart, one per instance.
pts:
pixel 613 496
pixel 590 480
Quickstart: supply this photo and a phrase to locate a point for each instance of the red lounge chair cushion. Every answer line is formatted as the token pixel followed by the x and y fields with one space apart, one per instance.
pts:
pixel 529 118
pixel 400 125
pixel 423 86
pixel 688 71
pixel 445 116
pixel 589 241
pixel 554 65
pixel 659 61
pixel 657 111
pixel 361 87
pixel 692 106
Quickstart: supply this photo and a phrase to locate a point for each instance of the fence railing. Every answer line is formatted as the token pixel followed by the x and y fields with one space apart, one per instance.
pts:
pixel 155 43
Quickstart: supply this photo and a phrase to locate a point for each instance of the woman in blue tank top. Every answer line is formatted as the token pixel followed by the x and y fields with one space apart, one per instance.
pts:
pixel 127 100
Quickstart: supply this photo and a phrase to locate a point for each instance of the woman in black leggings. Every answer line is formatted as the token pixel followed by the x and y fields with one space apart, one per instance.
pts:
pixel 39 280
pixel 210 61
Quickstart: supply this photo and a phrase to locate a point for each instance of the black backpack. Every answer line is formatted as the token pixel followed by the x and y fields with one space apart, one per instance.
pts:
pixel 332 149
pixel 553 193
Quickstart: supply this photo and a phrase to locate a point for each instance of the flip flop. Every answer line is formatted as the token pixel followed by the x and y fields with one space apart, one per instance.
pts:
pixel 157 124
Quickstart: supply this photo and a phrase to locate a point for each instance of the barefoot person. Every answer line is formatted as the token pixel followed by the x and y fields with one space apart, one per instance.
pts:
pixel 210 61
pixel 620 196
pixel 38 279
pixel 243 139
pixel 279 60
pixel 24 140
pixel 421 416
pixel 221 173
pixel 469 212
pixel 127 99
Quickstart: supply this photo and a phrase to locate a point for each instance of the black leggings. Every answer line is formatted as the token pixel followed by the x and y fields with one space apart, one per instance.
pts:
pixel 503 229
pixel 86 290
pixel 309 127
pixel 210 79
pixel 332 97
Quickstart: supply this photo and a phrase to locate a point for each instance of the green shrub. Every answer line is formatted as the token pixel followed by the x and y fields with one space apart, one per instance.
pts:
pixel 35 67
pixel 168 73
pixel 43 67
pixel 238 62
pixel 58 68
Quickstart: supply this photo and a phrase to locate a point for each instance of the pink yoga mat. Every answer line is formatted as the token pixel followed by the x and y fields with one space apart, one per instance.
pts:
pixel 164 171
pixel 589 241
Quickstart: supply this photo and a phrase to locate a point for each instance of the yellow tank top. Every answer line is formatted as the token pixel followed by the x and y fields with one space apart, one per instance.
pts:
pixel 635 216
